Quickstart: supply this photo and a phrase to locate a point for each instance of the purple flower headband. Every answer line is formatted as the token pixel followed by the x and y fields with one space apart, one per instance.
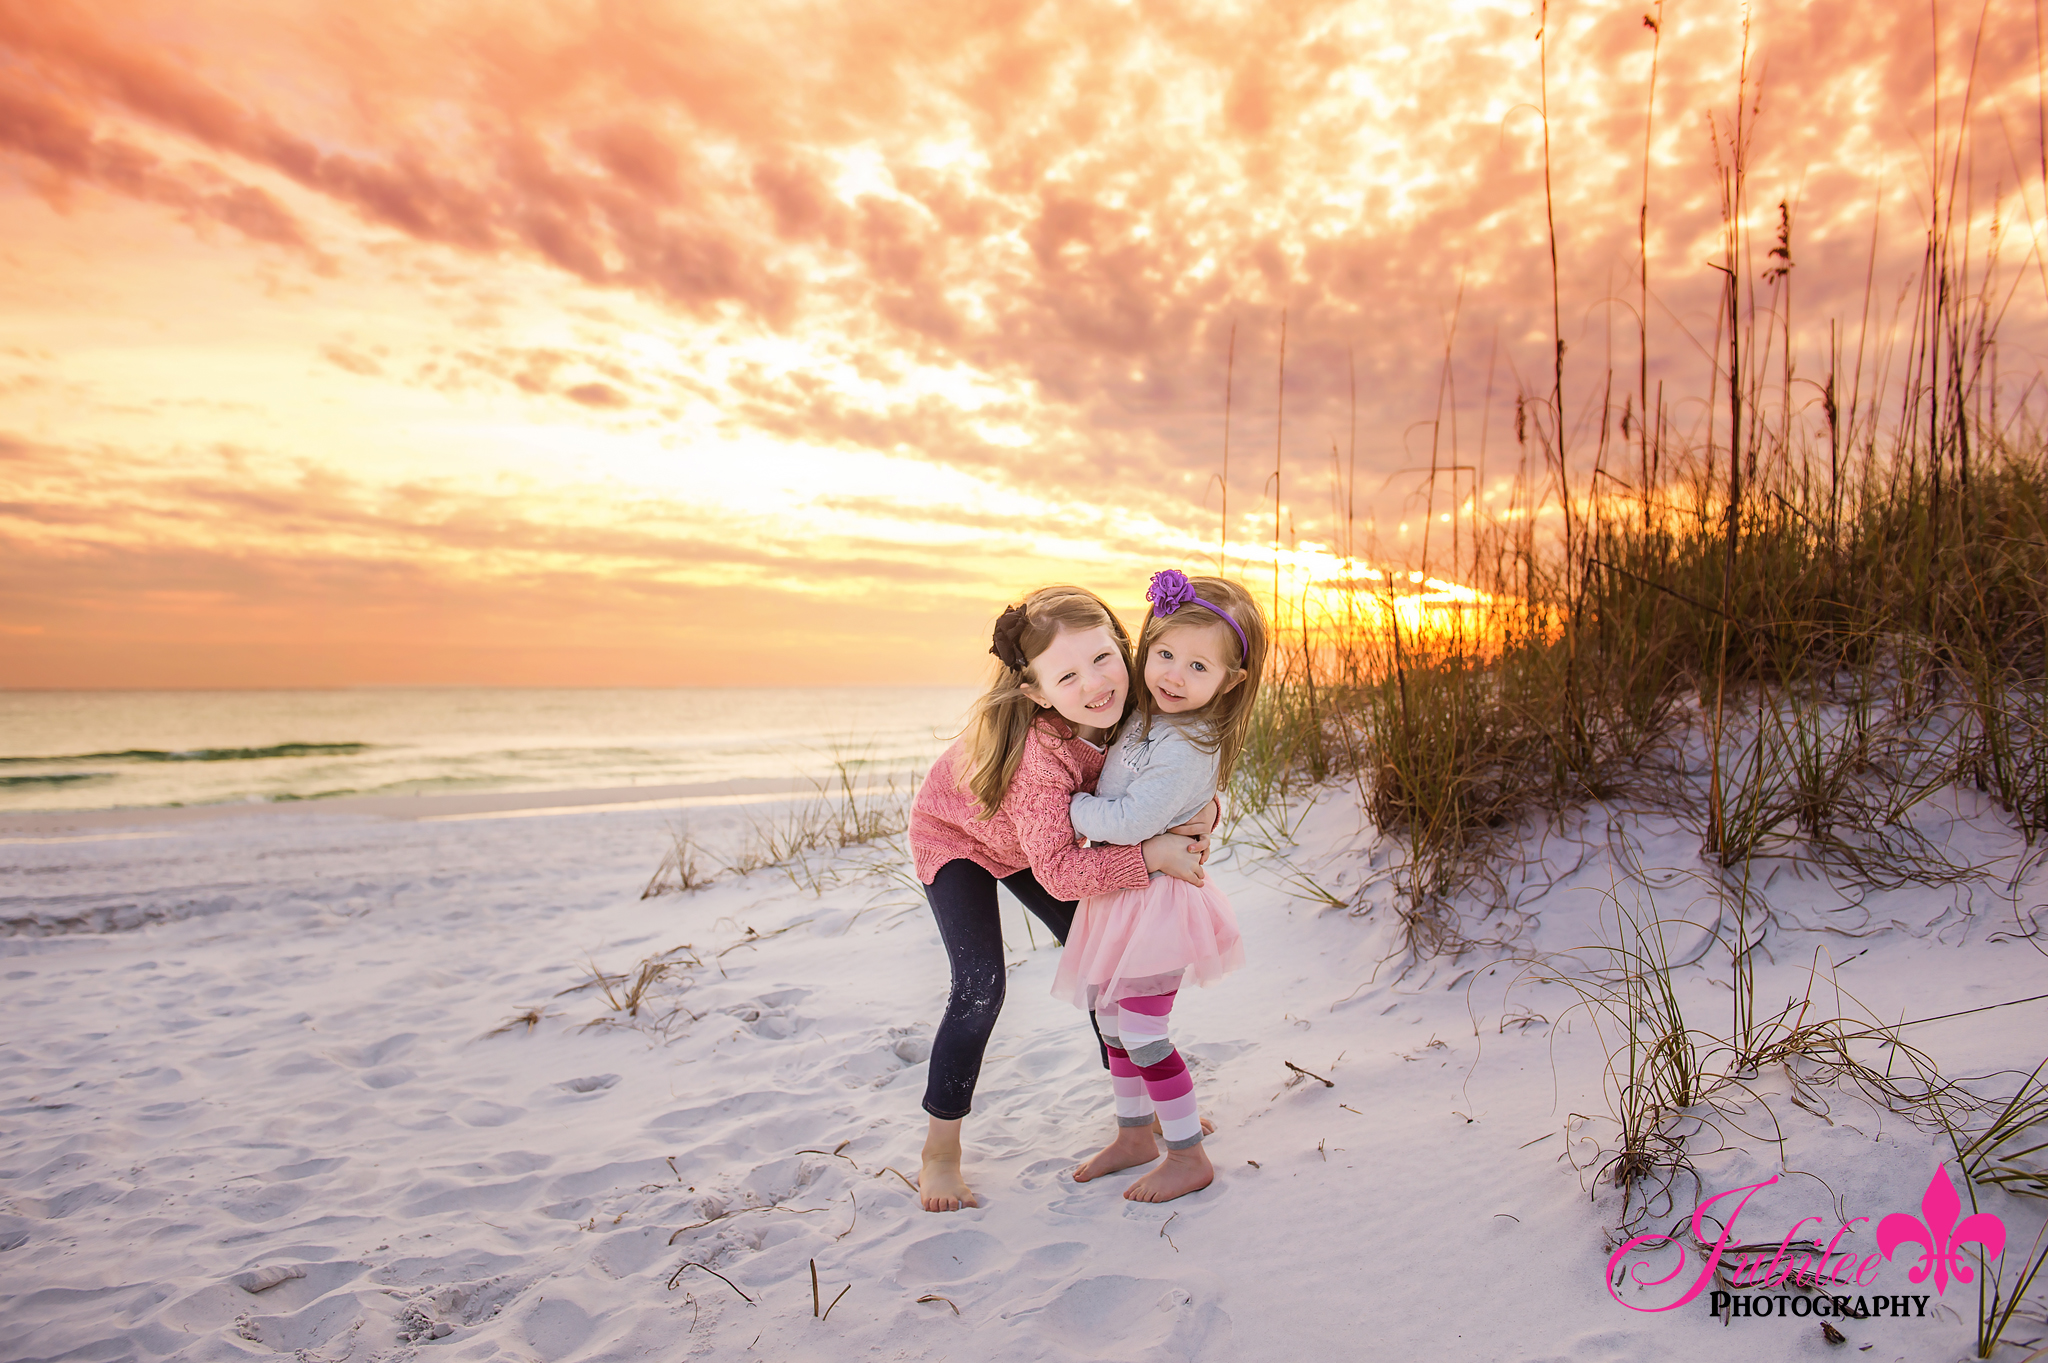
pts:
pixel 1170 590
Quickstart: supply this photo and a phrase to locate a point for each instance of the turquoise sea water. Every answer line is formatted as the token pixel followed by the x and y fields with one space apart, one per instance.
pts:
pixel 70 750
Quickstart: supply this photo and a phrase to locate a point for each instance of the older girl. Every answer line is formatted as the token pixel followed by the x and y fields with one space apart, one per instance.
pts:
pixel 995 808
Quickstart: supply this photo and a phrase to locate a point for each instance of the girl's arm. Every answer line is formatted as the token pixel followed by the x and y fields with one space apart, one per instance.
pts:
pixel 1037 808
pixel 1178 777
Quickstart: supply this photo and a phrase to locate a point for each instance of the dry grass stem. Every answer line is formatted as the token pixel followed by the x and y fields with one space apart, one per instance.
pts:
pixel 805 839
pixel 529 1019
pixel 1301 1074
pixel 677 1276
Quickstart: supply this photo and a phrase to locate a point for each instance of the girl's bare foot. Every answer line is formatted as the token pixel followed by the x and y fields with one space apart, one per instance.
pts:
pixel 1180 1173
pixel 1133 1145
pixel 940 1186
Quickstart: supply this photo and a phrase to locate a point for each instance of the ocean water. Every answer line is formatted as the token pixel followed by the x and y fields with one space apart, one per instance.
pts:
pixel 71 750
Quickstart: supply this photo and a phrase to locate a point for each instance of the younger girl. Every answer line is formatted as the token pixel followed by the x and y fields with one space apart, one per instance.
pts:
pixel 995 808
pixel 1203 648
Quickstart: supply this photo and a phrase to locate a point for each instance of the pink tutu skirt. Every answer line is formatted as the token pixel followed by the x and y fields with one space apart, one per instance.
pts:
pixel 1149 941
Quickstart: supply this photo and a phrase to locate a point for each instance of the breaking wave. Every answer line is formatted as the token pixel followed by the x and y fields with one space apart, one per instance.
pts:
pixel 189 755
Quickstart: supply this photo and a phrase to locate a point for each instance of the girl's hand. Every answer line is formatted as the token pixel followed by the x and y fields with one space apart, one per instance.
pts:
pixel 1177 856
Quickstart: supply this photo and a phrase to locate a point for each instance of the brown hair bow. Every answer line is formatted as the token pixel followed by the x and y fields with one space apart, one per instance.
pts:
pixel 1007 645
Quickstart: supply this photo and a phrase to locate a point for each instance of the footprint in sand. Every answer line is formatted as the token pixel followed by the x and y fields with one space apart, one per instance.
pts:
pixel 627 1252
pixel 913 1044
pixel 312 1325
pixel 949 1257
pixel 885 1054
pixel 483 1112
pixel 1040 1173
pixel 779 1180
pixel 315 1307
pixel 1213 1055
pixel 1113 1317
pixel 557 1328
pixel 260 1203
pixel 773 1014
pixel 592 1083
pixel 375 1055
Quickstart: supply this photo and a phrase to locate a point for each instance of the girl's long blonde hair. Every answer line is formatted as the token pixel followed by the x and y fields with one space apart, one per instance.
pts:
pixel 1225 721
pixel 1001 722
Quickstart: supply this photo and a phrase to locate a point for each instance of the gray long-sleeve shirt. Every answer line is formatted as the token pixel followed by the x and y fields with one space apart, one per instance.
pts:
pixel 1147 786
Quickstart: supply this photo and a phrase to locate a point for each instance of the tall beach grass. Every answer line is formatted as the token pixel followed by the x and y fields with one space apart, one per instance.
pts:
pixel 1790 623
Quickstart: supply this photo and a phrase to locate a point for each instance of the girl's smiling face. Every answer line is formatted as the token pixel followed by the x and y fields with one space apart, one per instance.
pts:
pixel 1082 675
pixel 1185 667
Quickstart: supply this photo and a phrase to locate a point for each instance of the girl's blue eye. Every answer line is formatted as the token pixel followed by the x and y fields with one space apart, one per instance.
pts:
pixel 1199 667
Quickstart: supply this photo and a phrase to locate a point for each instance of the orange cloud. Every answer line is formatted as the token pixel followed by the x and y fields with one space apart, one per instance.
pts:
pixel 619 254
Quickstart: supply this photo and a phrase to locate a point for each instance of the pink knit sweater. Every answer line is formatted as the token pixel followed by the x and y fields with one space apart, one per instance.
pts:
pixel 1031 827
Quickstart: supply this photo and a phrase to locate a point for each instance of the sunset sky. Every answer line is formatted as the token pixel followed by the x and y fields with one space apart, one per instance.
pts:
pixel 651 344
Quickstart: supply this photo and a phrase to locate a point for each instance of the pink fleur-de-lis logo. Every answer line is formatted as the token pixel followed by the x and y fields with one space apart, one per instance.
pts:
pixel 1940 1234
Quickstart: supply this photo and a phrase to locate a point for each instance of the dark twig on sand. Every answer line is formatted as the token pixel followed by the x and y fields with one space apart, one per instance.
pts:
pixel 1301 1073
pixel 692 1263
pixel 834 1152
pixel 753 938
pixel 933 1296
pixel 835 1301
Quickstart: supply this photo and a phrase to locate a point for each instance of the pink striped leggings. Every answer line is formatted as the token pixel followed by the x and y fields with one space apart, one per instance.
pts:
pixel 1146 1071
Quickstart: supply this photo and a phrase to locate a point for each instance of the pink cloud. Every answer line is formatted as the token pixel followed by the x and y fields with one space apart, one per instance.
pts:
pixel 1075 202
pixel 597 395
pixel 47 133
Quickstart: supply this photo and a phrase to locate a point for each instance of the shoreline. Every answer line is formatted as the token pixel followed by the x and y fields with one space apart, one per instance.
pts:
pixel 41 826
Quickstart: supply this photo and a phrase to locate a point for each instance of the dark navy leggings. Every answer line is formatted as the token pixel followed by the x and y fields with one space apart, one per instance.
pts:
pixel 963 899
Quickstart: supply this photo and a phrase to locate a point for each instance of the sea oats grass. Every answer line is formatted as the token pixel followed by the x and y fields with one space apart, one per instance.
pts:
pixel 1800 607
pixel 803 839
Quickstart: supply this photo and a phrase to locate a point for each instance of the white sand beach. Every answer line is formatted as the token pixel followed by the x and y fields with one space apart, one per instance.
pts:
pixel 282 1043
